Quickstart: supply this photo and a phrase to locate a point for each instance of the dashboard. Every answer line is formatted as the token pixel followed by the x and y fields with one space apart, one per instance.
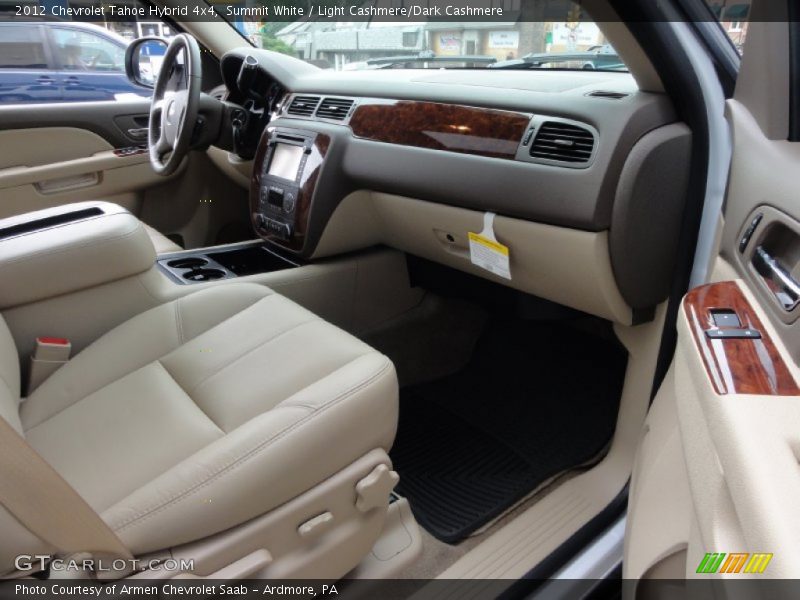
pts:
pixel 577 151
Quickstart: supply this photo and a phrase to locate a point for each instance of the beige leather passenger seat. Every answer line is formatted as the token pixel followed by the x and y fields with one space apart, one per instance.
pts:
pixel 228 419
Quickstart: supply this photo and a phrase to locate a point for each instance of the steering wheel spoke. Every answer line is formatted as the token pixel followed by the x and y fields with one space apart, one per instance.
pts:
pixel 161 146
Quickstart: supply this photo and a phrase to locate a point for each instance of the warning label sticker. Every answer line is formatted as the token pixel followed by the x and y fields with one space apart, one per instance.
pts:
pixel 486 252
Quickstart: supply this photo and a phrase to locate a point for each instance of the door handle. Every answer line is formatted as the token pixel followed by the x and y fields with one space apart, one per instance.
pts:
pixel 138 134
pixel 44 80
pixel 777 279
pixel 72 80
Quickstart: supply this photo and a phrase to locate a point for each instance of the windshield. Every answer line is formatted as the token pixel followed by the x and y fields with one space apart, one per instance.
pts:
pixel 486 34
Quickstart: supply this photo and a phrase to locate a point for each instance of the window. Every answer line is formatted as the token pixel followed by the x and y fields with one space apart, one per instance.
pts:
pixel 21 47
pixel 442 34
pixel 732 16
pixel 85 51
pixel 410 39
pixel 51 61
pixel 152 29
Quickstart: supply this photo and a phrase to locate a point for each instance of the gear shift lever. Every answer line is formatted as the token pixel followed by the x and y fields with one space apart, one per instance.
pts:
pixel 246 77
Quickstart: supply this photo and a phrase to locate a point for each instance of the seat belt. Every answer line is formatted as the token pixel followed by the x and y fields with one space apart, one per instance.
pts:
pixel 47 505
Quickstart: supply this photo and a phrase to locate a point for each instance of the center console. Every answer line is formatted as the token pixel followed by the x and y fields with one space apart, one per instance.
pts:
pixel 68 248
pixel 285 174
pixel 223 262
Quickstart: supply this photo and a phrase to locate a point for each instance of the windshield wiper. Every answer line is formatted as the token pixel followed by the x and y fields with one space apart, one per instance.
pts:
pixel 517 66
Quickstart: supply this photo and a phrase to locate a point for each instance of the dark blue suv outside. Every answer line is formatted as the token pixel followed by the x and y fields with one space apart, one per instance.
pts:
pixel 62 62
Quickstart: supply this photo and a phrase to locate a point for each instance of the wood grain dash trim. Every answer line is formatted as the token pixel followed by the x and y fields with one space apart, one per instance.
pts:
pixel 438 126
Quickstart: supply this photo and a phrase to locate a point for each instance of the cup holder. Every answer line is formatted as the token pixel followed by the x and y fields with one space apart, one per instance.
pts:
pixel 194 268
pixel 187 263
pixel 203 274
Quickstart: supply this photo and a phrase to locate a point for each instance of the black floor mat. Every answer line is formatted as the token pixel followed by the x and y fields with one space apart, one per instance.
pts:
pixel 535 400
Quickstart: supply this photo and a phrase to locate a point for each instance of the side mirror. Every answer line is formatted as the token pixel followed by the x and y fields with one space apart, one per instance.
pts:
pixel 143 59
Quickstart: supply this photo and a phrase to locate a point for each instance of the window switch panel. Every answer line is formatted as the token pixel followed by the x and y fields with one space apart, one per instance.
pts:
pixel 733 334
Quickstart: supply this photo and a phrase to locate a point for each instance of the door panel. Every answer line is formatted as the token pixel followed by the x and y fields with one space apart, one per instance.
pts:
pixel 764 181
pixel 51 156
pixel 734 384
pixel 58 153
pixel 660 504
pixel 48 166
pixel 97 117
pixel 40 146
pixel 741 445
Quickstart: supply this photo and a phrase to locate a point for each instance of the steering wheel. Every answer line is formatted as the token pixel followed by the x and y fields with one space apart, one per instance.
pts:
pixel 174 108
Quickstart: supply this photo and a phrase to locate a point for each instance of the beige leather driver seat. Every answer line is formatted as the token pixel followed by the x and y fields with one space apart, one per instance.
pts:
pixel 226 419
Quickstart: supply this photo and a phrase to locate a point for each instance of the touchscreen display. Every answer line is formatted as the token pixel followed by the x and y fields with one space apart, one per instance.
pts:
pixel 285 161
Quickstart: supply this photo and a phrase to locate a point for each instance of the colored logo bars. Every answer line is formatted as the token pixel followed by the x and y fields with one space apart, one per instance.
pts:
pixel 735 562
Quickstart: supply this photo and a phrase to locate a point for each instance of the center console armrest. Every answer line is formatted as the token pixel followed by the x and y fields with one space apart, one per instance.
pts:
pixel 68 248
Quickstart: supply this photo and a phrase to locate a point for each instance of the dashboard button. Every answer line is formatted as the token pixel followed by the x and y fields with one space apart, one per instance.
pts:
pixel 528 136
pixel 278 228
pixel 288 203
pixel 725 318
pixel 749 232
pixel 733 334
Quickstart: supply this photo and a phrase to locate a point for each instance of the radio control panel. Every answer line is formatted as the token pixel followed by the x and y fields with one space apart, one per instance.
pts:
pixel 287 167
pixel 280 179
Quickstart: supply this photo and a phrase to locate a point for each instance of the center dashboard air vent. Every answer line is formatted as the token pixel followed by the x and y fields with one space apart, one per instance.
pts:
pixel 303 106
pixel 334 108
pixel 562 142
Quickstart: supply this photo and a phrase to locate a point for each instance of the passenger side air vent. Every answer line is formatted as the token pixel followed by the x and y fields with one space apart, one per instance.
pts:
pixel 607 94
pixel 563 142
pixel 303 106
pixel 334 108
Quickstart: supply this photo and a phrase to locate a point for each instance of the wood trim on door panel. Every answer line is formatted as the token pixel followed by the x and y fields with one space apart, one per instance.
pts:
pixel 437 126
pixel 736 366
